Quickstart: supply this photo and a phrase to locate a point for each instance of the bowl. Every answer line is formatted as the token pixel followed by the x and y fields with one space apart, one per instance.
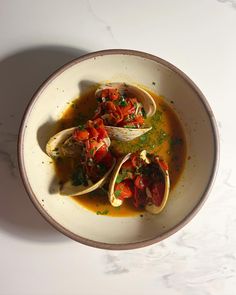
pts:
pixel 66 84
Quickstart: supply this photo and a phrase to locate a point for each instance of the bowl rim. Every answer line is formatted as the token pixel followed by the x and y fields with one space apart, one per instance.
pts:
pixel 97 244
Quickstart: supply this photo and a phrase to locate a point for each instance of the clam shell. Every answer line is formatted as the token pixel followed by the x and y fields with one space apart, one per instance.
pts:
pixel 143 96
pixel 112 198
pixel 68 189
pixel 149 105
pixel 56 145
pixel 53 147
pixel 150 207
pixel 125 134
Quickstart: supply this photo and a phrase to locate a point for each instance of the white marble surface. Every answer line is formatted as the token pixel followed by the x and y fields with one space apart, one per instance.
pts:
pixel 38 36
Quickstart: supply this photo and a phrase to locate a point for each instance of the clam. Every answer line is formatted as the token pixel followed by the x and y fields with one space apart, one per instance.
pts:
pixel 148 103
pixel 150 207
pixel 68 189
pixel 62 144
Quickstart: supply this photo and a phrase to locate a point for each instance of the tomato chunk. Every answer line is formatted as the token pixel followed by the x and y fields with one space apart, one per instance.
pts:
pixel 80 134
pixel 123 190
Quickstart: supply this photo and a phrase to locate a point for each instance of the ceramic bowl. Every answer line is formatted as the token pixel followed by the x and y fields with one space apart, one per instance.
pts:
pixel 66 84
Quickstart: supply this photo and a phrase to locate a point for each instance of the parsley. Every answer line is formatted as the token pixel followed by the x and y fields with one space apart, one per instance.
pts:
pixel 117 193
pixel 121 177
pixel 104 212
pixel 143 113
pixel 79 177
pixel 81 127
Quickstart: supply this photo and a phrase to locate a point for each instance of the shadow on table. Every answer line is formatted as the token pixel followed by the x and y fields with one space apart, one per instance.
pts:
pixel 20 76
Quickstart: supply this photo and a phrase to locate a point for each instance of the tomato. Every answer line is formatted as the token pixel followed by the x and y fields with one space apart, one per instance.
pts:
pixel 110 106
pixel 127 165
pixel 80 134
pixel 157 190
pixel 101 133
pixel 141 182
pixel 129 109
pixel 91 147
pixel 107 160
pixel 100 153
pixel 139 120
pixel 123 190
pixel 93 133
pixel 111 93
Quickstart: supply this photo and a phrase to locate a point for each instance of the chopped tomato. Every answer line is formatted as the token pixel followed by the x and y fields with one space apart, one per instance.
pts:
pixel 107 160
pixel 91 147
pixel 129 109
pixel 157 190
pixel 139 120
pixel 101 133
pixel 128 165
pixel 93 133
pixel 123 190
pixel 141 182
pixel 110 106
pixel 80 134
pixel 111 93
pixel 100 153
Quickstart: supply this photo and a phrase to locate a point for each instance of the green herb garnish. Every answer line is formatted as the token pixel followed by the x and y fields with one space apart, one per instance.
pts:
pixel 104 212
pixel 117 193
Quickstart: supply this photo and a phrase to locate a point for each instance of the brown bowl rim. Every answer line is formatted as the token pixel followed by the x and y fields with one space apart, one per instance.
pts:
pixel 97 244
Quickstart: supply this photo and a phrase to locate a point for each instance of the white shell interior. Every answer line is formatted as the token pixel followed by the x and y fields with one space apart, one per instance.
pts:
pixel 48 107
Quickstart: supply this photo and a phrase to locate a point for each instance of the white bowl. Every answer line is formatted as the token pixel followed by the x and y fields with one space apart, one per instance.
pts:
pixel 65 85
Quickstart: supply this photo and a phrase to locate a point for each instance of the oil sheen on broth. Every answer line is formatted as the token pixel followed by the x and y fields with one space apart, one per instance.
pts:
pixel 165 139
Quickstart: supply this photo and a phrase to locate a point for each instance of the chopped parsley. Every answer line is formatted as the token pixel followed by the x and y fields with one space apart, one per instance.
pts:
pixel 117 193
pixel 79 177
pixel 104 212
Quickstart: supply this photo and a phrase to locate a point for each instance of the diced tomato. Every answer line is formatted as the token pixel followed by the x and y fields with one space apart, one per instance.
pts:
pixel 124 189
pixel 101 133
pixel 157 190
pixel 111 93
pixel 135 161
pixel 93 133
pixel 91 147
pixel 110 106
pixel 107 160
pixel 80 134
pixel 141 182
pixel 129 109
pixel 139 120
pixel 98 123
pixel 100 153
pixel 128 165
pixel 120 114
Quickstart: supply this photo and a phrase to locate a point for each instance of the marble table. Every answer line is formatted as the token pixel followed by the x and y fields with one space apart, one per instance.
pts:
pixel 37 37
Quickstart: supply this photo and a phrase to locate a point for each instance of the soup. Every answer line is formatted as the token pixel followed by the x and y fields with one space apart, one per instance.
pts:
pixel 166 139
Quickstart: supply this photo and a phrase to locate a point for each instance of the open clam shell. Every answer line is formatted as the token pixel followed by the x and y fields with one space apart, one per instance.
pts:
pixel 150 207
pixel 68 189
pixel 62 144
pixel 112 198
pixel 149 105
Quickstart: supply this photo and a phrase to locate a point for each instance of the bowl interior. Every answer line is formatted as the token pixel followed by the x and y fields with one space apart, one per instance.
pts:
pixel 39 125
